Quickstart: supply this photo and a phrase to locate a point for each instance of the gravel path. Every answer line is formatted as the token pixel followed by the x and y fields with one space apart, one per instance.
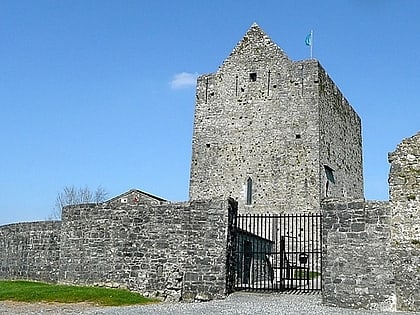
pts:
pixel 236 304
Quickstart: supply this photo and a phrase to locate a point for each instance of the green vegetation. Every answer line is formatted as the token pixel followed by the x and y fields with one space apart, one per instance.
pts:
pixel 301 274
pixel 28 291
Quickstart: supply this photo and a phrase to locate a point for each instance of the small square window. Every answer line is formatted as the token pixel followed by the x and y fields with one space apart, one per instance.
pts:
pixel 253 76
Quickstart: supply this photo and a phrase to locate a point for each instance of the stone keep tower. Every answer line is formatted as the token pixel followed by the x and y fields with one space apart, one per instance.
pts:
pixel 275 135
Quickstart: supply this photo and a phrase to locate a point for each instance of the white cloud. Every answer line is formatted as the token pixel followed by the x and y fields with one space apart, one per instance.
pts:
pixel 183 80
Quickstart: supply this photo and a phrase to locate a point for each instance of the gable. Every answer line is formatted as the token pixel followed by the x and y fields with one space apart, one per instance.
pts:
pixel 256 47
pixel 134 197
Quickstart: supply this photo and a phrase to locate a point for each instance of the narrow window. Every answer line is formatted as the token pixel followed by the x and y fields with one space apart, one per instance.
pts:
pixel 329 172
pixel 249 191
pixel 253 76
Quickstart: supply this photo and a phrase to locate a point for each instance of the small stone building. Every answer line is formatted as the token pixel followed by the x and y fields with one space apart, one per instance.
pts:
pixel 273 134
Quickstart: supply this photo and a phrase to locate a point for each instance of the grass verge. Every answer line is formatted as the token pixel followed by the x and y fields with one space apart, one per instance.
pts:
pixel 29 291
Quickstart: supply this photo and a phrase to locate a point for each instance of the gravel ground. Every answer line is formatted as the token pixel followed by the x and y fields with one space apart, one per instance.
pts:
pixel 237 304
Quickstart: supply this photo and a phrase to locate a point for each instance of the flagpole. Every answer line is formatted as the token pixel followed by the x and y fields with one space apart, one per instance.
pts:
pixel 309 41
pixel 312 41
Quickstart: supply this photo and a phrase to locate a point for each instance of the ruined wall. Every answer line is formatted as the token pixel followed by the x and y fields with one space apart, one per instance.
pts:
pixel 356 267
pixel 30 251
pixel 259 119
pixel 167 250
pixel 404 183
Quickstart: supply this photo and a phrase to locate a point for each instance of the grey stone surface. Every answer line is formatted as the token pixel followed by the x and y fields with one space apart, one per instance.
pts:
pixel 30 250
pixel 371 250
pixel 357 270
pixel 167 250
pixel 404 182
pixel 263 117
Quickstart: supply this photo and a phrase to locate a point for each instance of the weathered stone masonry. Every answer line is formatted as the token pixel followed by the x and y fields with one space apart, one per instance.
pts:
pixel 265 120
pixel 136 241
pixel 30 251
pixel 404 183
pixel 162 249
pixel 357 270
pixel 371 250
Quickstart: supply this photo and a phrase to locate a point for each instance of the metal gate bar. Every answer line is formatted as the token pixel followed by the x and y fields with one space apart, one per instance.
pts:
pixel 277 252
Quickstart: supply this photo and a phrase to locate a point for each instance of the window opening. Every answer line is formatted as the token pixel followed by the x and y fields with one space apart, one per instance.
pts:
pixel 249 191
pixel 253 76
pixel 329 173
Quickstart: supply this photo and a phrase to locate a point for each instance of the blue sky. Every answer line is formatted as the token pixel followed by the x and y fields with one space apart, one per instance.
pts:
pixel 101 93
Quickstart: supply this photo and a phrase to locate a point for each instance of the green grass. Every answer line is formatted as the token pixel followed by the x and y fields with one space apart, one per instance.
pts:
pixel 301 274
pixel 28 291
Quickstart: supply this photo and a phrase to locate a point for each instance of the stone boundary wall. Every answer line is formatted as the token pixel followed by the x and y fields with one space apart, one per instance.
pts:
pixel 30 251
pixel 371 255
pixel 356 269
pixel 169 250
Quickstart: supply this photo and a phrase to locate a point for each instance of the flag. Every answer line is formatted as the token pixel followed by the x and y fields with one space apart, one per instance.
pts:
pixel 308 39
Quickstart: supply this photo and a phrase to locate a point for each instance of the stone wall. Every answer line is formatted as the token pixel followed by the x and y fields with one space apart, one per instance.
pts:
pixel 371 250
pixel 30 251
pixel 404 182
pixel 169 250
pixel 356 268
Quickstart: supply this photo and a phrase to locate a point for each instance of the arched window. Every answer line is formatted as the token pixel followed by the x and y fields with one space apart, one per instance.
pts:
pixel 249 191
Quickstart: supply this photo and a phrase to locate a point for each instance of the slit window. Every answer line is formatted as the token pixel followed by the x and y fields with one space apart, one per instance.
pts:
pixel 253 76
pixel 249 191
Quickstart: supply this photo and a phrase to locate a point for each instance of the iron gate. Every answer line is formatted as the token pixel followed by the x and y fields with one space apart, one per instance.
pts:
pixel 275 252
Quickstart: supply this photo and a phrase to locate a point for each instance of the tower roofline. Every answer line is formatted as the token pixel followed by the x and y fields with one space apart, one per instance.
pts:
pixel 257 39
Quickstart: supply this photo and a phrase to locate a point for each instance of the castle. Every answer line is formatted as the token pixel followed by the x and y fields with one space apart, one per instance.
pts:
pixel 275 135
